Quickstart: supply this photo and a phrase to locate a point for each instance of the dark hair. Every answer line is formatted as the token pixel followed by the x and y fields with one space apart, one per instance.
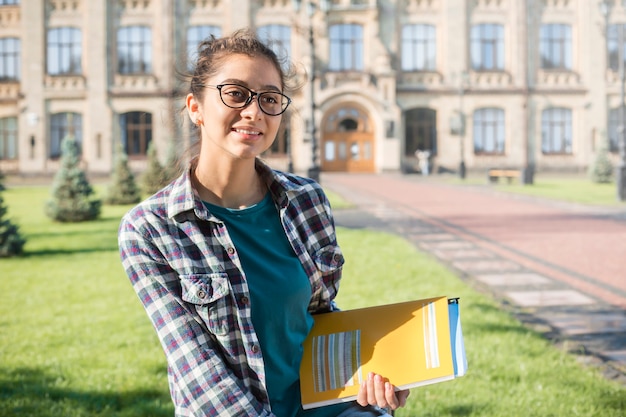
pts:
pixel 212 52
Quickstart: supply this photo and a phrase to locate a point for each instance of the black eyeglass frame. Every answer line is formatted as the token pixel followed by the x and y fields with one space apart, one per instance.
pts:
pixel 251 95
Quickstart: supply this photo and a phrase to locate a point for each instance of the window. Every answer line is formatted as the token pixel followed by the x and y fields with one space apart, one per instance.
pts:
pixel 134 50
pixel 418 48
pixel 281 144
pixel 615 39
pixel 556 131
pixel 614 131
pixel 8 138
pixel 489 131
pixel 195 35
pixel 64 51
pixel 556 46
pixel 347 118
pixel 329 150
pixel 278 37
pixel 346 47
pixel 9 2
pixel 136 130
pixel 9 59
pixel 487 48
pixel 62 125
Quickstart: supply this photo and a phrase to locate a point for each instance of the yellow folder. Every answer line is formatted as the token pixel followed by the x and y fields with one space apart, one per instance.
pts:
pixel 411 343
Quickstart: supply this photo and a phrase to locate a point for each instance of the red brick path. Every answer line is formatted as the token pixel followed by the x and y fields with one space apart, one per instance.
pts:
pixel 583 247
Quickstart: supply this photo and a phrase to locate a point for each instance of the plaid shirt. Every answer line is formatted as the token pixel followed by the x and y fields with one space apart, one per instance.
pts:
pixel 187 273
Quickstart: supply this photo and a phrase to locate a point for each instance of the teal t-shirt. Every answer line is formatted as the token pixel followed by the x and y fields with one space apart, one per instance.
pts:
pixel 279 296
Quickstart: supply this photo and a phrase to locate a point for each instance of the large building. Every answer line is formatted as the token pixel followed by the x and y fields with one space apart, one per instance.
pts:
pixel 476 83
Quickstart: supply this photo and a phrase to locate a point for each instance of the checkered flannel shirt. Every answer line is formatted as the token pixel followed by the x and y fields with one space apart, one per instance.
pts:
pixel 187 273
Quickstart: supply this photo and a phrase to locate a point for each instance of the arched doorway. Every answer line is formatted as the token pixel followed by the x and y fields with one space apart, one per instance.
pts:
pixel 348 141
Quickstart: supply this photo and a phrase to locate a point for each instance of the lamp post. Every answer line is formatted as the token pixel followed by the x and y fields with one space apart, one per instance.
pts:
pixel 311 7
pixel 620 171
pixel 621 166
pixel 462 82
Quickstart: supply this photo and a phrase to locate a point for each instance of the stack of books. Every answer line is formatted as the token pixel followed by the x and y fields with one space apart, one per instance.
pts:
pixel 411 344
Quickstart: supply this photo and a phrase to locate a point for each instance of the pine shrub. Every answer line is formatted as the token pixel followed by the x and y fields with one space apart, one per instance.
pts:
pixel 155 177
pixel 123 188
pixel 171 167
pixel 11 241
pixel 72 195
pixel 601 171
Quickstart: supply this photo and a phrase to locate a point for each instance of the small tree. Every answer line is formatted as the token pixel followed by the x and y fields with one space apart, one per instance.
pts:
pixel 11 241
pixel 123 188
pixel 601 171
pixel 154 178
pixel 171 163
pixel 72 199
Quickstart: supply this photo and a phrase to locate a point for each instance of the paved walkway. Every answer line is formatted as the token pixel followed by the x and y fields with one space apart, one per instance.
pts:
pixel 560 268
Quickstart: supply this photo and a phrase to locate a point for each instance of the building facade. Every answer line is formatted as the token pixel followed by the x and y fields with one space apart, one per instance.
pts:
pixel 474 83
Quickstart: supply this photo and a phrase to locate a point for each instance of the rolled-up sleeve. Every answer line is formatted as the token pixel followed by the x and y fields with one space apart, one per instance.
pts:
pixel 201 383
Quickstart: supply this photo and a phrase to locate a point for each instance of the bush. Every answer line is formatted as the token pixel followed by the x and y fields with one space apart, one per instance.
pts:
pixel 72 199
pixel 171 168
pixel 601 171
pixel 123 188
pixel 155 177
pixel 11 241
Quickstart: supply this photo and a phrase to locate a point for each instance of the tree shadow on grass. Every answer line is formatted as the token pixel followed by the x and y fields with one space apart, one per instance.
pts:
pixel 77 233
pixel 33 392
pixel 70 242
pixel 52 252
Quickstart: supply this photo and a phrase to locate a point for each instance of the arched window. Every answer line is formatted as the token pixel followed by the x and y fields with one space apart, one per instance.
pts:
pixel 348 125
pixel 282 144
pixel 347 119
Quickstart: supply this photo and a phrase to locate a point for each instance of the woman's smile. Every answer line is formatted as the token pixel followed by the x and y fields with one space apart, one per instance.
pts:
pixel 248 132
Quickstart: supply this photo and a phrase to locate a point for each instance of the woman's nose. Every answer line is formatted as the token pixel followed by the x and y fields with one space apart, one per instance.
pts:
pixel 253 109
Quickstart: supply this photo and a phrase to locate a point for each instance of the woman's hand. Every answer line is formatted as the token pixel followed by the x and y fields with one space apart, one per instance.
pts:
pixel 379 391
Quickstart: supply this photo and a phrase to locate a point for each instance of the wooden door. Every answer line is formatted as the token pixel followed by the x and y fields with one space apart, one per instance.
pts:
pixel 348 140
pixel 348 152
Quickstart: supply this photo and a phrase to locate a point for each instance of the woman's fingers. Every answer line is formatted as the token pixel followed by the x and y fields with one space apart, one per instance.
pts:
pixel 378 391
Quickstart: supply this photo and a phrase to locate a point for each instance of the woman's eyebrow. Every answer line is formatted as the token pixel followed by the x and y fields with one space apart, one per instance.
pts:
pixel 245 84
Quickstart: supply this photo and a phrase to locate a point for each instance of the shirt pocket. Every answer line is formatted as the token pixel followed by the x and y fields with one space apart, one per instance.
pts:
pixel 209 294
pixel 329 259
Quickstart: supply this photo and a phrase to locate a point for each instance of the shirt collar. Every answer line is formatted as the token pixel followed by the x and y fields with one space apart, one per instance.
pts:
pixel 184 198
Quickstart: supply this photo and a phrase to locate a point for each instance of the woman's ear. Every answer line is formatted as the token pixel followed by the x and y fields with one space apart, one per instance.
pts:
pixel 193 109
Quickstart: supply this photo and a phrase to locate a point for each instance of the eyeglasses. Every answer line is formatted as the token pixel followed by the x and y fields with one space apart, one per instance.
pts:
pixel 237 96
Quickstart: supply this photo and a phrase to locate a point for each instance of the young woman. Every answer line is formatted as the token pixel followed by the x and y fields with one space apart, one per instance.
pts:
pixel 232 258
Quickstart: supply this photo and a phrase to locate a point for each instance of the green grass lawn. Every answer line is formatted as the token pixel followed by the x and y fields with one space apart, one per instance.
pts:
pixel 75 341
pixel 573 188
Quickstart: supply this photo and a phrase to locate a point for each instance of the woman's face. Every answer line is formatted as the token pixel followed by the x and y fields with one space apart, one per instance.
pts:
pixel 237 133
